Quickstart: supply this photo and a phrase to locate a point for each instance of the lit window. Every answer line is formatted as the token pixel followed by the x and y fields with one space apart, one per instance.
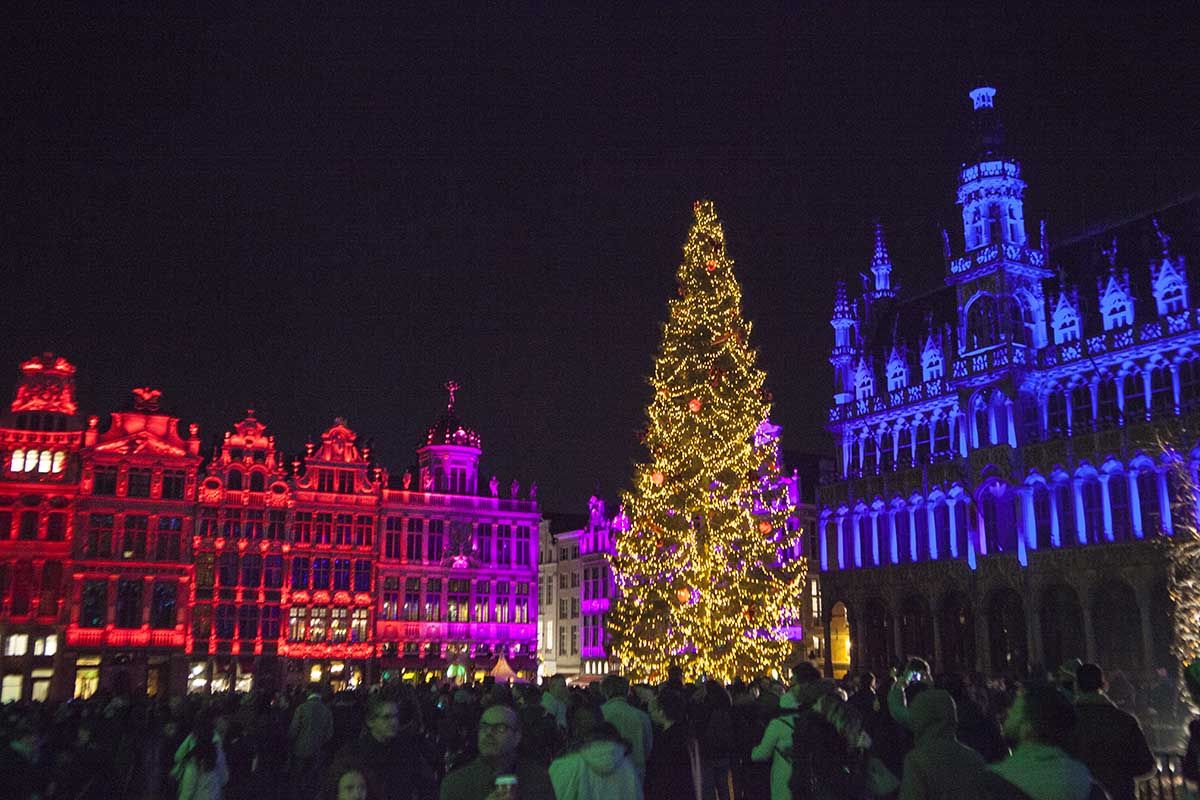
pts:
pixel 31 460
pixel 44 459
pixel 17 644
pixel 45 646
pixel 18 461
pixel 59 458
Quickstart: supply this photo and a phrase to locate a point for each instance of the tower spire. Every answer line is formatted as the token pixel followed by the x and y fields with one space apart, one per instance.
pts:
pixel 881 266
pixel 843 322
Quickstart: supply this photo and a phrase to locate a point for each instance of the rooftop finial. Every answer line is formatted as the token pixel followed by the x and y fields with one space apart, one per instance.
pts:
pixel 1110 253
pixel 982 97
pixel 841 306
pixel 451 388
pixel 881 256
pixel 1163 239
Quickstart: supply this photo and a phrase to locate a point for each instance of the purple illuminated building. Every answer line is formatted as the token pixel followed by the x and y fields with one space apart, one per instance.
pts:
pixel 1001 469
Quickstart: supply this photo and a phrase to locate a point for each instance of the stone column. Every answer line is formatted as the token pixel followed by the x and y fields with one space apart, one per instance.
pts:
pixel 953 525
pixel 1106 505
pixel 1135 506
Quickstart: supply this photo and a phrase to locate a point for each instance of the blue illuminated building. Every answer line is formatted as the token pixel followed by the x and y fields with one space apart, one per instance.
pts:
pixel 1003 482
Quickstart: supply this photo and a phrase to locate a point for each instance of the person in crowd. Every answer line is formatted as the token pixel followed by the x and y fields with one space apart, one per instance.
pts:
pixel 673 769
pixel 828 743
pixel 977 729
pixel 310 731
pixel 349 781
pixel 1040 722
pixel 915 676
pixel 864 700
pixel 541 738
pixel 633 724
pixel 596 764
pixel 20 761
pixel 674 678
pixel 939 767
pixel 1106 739
pixel 554 699
pixel 499 740
pixel 776 747
pixel 719 742
pixel 201 770
pixel 389 748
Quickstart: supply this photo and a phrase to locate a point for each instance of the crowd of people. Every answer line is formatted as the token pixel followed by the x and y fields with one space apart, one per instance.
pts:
pixel 906 734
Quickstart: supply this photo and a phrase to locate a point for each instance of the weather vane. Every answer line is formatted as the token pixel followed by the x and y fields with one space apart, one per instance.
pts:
pixel 451 387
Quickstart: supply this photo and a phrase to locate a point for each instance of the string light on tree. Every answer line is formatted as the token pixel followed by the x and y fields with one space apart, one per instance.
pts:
pixel 720 523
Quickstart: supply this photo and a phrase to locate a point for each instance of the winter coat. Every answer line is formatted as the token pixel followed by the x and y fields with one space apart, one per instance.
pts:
pixel 311 728
pixel 1038 772
pixel 397 765
pixel 1110 743
pixel 939 767
pixel 599 770
pixel 776 747
pixel 634 727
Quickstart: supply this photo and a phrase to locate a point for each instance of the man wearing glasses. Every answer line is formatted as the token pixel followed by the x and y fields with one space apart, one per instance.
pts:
pixel 390 749
pixel 499 738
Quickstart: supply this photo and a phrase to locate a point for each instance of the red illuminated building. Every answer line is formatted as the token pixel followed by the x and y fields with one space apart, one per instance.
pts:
pixel 131 562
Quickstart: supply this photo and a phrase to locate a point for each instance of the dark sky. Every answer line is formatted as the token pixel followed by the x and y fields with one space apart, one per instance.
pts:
pixel 332 216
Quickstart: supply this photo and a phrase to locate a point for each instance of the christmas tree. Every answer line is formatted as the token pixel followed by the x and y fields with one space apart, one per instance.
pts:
pixel 703 581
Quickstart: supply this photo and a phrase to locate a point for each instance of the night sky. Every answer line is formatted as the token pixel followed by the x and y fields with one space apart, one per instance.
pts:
pixel 332 216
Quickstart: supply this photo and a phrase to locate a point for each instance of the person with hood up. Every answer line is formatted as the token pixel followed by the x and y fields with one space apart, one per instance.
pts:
pixel 1040 721
pixel 776 747
pixel 939 767
pixel 597 764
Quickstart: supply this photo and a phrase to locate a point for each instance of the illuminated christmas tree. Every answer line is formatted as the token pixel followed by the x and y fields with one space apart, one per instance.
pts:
pixel 700 577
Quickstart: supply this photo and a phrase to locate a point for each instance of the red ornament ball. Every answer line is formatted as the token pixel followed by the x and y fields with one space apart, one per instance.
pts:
pixel 683 595
pixel 657 477
pixel 764 527
pixel 711 265
pixel 695 404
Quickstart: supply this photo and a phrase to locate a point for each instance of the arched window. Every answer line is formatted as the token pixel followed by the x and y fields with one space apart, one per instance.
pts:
pixel 1043 526
pixel 233 480
pixel 1022 323
pixel 905 434
pixel 1147 486
pixel 1056 414
pixel 921 431
pixel 962 510
pixel 941 438
pixel 1118 506
pixel 1189 382
pixel 887 456
pixel 862 523
pixel 1106 397
pixel 1064 500
pixel 920 520
pixel 982 323
pixel 999 519
pixel 1081 408
pixel 1162 392
pixel 869 460
pixel 1093 508
pixel 941 528
pixel 900 524
pixel 257 482
pixel 1135 398
pixel 979 419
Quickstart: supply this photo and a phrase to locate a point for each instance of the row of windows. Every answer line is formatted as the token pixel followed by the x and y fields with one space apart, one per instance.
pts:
pixel 325 573
pixel 593 630
pixel 17 644
pixel 28 525
pixel 409 540
pixel 135 540
pixel 1071 409
pixel 139 483
pixel 323 623
pixel 1086 510
pixel 22 586
pixel 462 601
pixel 39 461
pixel 438 649
pixel 129 604
pixel 595 583
pixel 247 621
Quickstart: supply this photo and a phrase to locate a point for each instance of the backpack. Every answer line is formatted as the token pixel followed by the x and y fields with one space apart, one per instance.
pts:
pixel 824 765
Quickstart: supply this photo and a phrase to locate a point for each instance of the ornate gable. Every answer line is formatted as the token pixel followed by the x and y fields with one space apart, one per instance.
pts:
pixel 1065 318
pixel 338 445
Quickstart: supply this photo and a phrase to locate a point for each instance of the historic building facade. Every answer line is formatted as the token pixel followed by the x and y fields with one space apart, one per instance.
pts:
pixel 131 561
pixel 1012 447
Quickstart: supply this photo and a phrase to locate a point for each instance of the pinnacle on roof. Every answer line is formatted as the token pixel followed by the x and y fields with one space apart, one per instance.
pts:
pixel 881 257
pixel 448 429
pixel 841 306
